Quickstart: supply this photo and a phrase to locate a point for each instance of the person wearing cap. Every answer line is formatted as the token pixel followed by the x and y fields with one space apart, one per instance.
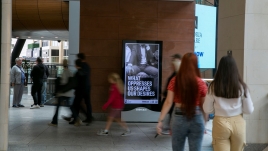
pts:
pixel 176 61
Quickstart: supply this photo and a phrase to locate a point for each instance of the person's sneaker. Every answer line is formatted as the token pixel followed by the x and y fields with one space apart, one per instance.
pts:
pixel 77 123
pixel 51 124
pixel 66 118
pixel 87 121
pixel 165 132
pixel 20 105
pixel 42 105
pixel 15 106
pixel 35 107
pixel 72 122
pixel 126 133
pixel 102 133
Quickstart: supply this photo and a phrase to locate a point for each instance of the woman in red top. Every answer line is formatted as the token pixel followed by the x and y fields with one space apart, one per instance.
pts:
pixel 188 91
pixel 117 104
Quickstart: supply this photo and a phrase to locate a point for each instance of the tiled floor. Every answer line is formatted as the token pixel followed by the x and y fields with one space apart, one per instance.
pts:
pixel 28 131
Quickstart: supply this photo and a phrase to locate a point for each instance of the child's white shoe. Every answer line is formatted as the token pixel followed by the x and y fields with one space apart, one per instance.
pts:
pixel 126 133
pixel 102 133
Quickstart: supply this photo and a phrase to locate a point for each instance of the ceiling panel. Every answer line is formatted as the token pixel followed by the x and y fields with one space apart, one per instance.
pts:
pixel 40 19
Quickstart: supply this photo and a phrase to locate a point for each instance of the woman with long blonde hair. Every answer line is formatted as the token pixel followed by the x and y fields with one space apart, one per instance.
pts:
pixel 117 104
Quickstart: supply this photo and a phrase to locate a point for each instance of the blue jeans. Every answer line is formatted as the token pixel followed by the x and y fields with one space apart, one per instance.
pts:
pixel 193 129
pixel 44 93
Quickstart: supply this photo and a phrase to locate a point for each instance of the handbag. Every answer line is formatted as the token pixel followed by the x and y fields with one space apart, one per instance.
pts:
pixel 71 84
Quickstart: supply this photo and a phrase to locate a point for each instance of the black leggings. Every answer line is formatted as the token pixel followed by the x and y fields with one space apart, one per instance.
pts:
pixel 37 88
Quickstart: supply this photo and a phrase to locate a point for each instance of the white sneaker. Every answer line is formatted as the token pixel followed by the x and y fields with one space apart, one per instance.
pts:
pixel 35 107
pixel 126 133
pixel 165 132
pixel 102 132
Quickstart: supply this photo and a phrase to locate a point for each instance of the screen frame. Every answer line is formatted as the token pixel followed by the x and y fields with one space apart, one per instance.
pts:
pixel 153 107
pixel 197 22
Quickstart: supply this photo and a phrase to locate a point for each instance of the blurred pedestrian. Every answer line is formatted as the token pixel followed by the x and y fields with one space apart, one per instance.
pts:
pixel 116 102
pixel 65 77
pixel 37 75
pixel 86 95
pixel 80 90
pixel 229 98
pixel 176 61
pixel 44 87
pixel 17 78
pixel 188 91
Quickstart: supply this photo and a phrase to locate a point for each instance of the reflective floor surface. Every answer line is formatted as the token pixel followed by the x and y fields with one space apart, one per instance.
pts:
pixel 28 131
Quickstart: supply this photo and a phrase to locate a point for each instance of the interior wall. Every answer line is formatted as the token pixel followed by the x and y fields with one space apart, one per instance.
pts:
pixel 255 69
pixel 231 27
pixel 105 23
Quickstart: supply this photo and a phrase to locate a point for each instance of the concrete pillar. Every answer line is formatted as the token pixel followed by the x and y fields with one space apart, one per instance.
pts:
pixel 256 68
pixel 61 52
pixel 6 9
pixel 74 32
pixel 243 29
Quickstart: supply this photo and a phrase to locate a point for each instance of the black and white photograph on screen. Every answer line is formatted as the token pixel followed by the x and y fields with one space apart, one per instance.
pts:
pixel 141 73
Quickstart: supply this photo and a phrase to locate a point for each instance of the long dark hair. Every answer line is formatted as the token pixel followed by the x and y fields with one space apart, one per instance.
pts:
pixel 186 86
pixel 227 82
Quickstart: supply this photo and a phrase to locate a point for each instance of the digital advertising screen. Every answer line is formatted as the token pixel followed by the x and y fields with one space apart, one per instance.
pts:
pixel 142 72
pixel 205 35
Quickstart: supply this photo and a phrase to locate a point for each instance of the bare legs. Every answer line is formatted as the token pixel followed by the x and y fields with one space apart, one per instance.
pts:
pixel 118 120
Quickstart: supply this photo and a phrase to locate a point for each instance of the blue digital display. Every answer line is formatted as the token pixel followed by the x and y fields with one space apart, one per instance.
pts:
pixel 205 35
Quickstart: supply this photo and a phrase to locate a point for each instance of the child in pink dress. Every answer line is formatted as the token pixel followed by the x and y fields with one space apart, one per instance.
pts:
pixel 117 104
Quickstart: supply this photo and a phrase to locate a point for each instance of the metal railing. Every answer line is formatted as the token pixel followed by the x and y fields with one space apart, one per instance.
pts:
pixel 54 59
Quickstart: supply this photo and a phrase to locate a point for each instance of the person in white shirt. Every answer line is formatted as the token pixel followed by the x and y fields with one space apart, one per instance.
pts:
pixel 66 96
pixel 228 98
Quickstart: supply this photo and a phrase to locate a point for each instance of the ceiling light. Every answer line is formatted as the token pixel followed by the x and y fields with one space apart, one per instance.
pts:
pixel 56 37
pixel 42 37
pixel 29 37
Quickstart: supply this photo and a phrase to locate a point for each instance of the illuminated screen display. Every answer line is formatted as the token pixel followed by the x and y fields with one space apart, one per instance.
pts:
pixel 142 72
pixel 205 35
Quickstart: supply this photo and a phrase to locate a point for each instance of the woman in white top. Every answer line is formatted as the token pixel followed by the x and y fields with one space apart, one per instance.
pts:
pixel 66 74
pixel 228 98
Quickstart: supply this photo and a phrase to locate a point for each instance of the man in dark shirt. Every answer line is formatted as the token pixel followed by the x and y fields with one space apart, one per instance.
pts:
pixel 86 95
pixel 80 91
pixel 37 74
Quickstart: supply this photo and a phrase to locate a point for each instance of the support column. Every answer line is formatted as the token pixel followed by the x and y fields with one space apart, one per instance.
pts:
pixel 61 52
pixel 74 32
pixel 256 68
pixel 243 30
pixel 6 16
